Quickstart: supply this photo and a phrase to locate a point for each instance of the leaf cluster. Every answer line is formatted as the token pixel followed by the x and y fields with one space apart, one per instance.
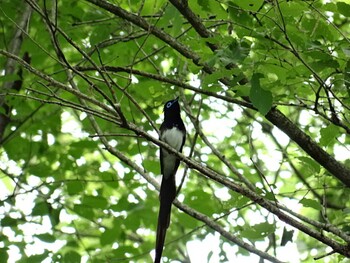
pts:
pixel 264 91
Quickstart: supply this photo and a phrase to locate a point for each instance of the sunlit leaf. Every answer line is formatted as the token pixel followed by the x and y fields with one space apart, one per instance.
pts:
pixel 310 203
pixel 310 164
pixel 261 99
pixel 77 165
pixel 258 231
pixel 328 134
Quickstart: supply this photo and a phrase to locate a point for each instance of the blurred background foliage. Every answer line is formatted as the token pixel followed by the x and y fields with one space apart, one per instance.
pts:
pixel 65 198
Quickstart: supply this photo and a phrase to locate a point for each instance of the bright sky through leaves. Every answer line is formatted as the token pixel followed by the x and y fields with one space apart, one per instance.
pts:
pixel 264 93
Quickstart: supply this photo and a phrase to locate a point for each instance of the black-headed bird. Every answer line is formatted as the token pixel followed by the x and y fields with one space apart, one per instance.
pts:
pixel 173 132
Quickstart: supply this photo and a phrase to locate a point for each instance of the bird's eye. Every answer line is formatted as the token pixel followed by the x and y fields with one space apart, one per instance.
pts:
pixel 168 105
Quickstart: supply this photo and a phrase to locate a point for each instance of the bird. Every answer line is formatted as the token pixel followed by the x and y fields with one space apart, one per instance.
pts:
pixel 172 132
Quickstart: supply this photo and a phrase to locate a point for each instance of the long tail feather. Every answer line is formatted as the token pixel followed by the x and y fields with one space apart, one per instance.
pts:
pixel 167 196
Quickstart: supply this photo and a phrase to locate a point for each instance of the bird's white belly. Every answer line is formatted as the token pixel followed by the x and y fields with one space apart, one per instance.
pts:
pixel 173 137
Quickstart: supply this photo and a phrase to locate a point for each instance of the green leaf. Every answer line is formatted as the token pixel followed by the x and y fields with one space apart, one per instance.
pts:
pixel 204 4
pixel 3 255
pixel 261 99
pixel 77 147
pixel 84 211
pixel 8 221
pixel 46 238
pixel 195 199
pixel 40 209
pixel 234 52
pixel 211 81
pixel 207 8
pixel 110 235
pixel 54 216
pixel 265 228
pixel 16 153
pixel 286 236
pixel 310 203
pixel 313 166
pixel 270 196
pixel 329 134
pixel 71 257
pixel 343 8
pixel 210 254
pixel 127 66
pixel 41 169
pixel 259 231
pixel 36 258
pixel 296 36
pixel 2 110
pixel 272 68
pixel 324 64
pixel 74 187
pixel 171 17
pixel 292 8
pixel 251 5
pixel 187 221
pixel 99 34
pixel 8 77
pixel 347 76
pixel 95 201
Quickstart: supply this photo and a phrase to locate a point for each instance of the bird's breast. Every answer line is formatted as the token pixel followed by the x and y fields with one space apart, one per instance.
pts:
pixel 173 137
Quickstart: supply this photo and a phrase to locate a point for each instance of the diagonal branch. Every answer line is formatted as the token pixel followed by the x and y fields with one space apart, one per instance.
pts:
pixel 278 118
pixel 309 146
pixel 274 116
pixel 143 23
pixel 188 210
pixel 51 81
pixel 205 171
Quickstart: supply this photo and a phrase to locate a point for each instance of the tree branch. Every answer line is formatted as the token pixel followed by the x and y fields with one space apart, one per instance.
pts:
pixel 309 146
pixel 339 170
pixel 10 67
pixel 141 22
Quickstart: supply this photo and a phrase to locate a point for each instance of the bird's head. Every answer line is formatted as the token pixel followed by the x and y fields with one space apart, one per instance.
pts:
pixel 172 106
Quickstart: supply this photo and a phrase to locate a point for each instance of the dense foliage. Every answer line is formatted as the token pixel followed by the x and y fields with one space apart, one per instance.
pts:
pixel 265 96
